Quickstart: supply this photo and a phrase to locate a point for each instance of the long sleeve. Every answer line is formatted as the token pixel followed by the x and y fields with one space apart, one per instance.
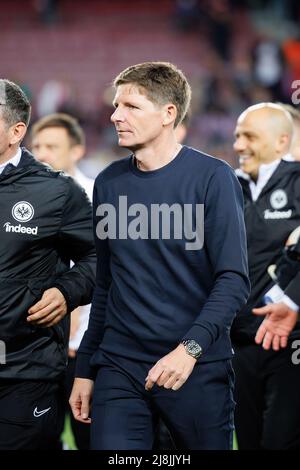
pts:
pixel 293 289
pixel 225 242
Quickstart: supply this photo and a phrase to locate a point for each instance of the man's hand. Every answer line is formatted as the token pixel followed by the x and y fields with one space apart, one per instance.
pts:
pixel 80 399
pixel 172 370
pixel 49 310
pixel 276 327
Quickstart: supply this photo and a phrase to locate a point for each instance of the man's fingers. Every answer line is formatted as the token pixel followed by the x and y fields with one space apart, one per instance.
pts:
pixel 267 340
pixel 85 407
pixel 153 375
pixel 38 306
pixel 43 312
pixel 261 310
pixel 78 416
pixel 260 334
pixel 179 383
pixel 149 384
pixel 173 380
pixel 283 341
pixel 76 408
pixel 165 376
pixel 276 343
pixel 52 323
pixel 49 318
pixel 80 409
pixel 52 298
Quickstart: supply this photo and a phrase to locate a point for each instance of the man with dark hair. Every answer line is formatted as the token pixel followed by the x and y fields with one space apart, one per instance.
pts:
pixel 58 140
pixel 168 286
pixel 46 222
pixel 15 105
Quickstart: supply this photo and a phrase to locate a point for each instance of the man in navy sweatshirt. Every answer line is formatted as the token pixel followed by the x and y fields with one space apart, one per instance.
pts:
pixel 171 275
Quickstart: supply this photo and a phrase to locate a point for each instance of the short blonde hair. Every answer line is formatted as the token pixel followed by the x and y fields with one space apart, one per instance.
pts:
pixel 162 82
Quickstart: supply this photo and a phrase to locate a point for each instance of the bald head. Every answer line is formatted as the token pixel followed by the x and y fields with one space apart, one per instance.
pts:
pixel 272 116
pixel 263 134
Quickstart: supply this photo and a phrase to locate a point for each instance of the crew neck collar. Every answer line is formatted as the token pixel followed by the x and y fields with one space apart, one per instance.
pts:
pixel 159 171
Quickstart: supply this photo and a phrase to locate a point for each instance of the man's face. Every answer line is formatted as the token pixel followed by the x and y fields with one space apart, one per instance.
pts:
pixel 254 142
pixel 138 121
pixel 53 146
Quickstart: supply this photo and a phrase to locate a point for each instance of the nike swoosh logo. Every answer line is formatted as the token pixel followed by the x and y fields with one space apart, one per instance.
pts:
pixel 37 413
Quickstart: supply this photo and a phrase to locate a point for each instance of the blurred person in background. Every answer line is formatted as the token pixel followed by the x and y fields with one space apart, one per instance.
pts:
pixel 46 223
pixel 59 141
pixel 158 340
pixel 267 382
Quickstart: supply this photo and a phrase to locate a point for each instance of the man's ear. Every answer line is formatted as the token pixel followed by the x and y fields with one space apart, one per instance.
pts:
pixel 283 143
pixel 77 152
pixel 170 114
pixel 17 133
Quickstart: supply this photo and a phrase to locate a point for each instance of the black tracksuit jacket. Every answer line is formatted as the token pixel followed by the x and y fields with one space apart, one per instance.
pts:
pixel 45 221
pixel 269 222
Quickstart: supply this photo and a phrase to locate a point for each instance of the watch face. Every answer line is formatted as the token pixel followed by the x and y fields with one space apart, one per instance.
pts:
pixel 193 348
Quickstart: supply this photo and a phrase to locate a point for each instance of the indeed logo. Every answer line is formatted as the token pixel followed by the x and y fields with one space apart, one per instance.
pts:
pixel 20 229
pixel 277 214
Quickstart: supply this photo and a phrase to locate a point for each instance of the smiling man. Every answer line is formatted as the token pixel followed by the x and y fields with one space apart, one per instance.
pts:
pixel 158 338
pixel 267 382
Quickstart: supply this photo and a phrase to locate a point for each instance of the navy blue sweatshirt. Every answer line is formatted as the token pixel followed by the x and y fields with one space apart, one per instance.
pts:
pixel 151 291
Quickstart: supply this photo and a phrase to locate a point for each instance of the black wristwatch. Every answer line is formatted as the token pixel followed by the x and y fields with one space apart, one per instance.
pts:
pixel 192 348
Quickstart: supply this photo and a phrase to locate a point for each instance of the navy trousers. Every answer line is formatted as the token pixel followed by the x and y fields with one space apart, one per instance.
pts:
pixel 199 415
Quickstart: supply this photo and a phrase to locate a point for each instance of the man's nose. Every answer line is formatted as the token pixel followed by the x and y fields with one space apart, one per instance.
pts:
pixel 239 145
pixel 117 115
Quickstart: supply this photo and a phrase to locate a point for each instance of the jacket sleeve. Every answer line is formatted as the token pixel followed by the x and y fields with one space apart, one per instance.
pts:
pixel 75 242
pixel 225 242
pixel 94 333
pixel 293 289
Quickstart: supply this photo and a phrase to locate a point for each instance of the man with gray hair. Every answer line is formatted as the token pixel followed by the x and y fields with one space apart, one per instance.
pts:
pixel 267 382
pixel 45 222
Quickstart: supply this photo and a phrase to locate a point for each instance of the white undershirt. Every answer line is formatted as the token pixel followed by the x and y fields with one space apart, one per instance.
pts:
pixel 265 172
pixel 14 160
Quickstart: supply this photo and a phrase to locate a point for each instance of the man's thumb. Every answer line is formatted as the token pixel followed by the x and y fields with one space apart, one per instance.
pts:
pixel 261 310
pixel 85 408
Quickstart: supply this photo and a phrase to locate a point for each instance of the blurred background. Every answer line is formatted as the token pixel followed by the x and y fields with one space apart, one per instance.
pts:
pixel 65 53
